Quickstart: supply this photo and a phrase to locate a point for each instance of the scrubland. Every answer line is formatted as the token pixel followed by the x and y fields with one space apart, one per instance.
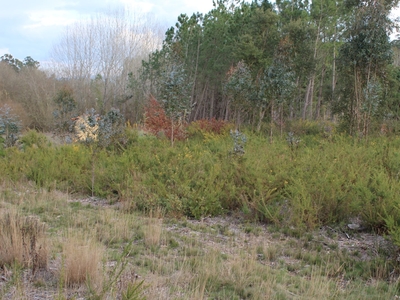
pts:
pixel 201 219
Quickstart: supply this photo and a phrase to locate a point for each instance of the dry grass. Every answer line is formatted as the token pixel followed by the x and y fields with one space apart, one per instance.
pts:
pixel 23 241
pixel 82 258
pixel 152 230
pixel 217 258
pixel 113 227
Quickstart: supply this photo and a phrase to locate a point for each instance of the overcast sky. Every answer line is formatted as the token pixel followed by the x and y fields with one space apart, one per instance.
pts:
pixel 31 28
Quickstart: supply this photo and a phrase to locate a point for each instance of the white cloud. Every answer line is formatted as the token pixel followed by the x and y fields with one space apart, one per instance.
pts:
pixel 31 27
pixel 141 6
pixel 4 51
pixel 49 18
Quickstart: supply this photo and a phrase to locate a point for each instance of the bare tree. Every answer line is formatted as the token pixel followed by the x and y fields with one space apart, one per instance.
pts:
pixel 29 92
pixel 96 55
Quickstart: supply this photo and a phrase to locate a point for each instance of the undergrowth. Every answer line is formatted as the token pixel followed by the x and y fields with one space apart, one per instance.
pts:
pixel 323 180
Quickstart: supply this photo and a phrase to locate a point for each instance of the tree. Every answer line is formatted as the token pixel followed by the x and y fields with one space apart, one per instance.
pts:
pixel 66 104
pixel 364 59
pixel 15 63
pixel 105 47
pixel 240 88
pixel 279 85
pixel 29 91
pixel 18 65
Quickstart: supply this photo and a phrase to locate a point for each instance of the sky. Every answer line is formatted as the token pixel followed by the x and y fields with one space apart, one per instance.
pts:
pixel 31 28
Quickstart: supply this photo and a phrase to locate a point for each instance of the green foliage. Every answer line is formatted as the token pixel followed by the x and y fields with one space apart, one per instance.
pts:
pixel 293 142
pixel 311 128
pixel 325 181
pixel 9 126
pixel 133 292
pixel 66 104
pixel 364 60
pixel 240 83
pixel 239 141
pixel 112 129
pixel 32 138
pixel 303 59
pixel 18 65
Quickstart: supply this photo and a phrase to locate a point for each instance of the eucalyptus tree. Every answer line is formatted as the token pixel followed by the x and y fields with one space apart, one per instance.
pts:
pixel 364 59
pixel 299 31
pixel 279 84
pixel 239 88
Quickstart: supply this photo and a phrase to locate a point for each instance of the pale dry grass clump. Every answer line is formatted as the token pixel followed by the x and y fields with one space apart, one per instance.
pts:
pixel 153 229
pixel 114 226
pixel 152 233
pixel 22 240
pixel 82 258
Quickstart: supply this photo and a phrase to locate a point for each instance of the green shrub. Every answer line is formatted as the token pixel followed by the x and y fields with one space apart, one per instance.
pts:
pixel 32 138
pixel 321 182
pixel 306 127
pixel 9 126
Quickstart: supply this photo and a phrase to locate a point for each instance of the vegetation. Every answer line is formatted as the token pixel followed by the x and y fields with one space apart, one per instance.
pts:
pixel 297 184
pixel 155 235
pixel 251 154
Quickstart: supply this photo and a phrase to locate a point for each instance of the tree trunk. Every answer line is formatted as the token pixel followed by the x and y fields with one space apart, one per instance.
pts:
pixel 262 114
pixel 306 100
pixel 318 108
pixel 272 122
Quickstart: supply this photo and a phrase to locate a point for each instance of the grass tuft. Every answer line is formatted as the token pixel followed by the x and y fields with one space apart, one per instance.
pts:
pixel 82 258
pixel 23 241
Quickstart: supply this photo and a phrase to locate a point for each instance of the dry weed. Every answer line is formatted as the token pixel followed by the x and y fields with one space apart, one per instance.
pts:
pixel 152 230
pixel 22 240
pixel 82 261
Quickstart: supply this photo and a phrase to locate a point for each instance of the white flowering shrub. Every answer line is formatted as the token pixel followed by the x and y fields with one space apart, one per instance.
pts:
pixel 104 130
pixel 86 127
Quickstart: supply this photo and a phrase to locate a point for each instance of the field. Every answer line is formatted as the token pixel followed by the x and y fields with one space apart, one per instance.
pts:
pixel 310 215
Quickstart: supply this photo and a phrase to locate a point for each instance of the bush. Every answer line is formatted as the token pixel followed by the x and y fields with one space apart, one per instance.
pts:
pixel 306 127
pixel 208 128
pixel 323 182
pixel 66 107
pixel 9 126
pixel 32 138
pixel 158 123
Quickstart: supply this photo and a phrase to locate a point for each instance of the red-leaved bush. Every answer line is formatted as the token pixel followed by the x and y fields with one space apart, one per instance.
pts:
pixel 157 122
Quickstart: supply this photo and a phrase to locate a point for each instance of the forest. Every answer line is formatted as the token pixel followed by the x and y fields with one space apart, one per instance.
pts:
pixel 252 63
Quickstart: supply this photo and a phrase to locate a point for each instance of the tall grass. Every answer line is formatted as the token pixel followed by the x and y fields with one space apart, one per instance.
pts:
pixel 23 241
pixel 82 258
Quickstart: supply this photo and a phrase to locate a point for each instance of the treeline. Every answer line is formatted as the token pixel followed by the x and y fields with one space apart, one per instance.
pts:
pixel 253 63
pixel 257 64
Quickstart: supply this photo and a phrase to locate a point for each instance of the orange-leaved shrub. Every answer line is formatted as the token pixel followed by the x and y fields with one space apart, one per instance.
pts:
pixel 157 122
